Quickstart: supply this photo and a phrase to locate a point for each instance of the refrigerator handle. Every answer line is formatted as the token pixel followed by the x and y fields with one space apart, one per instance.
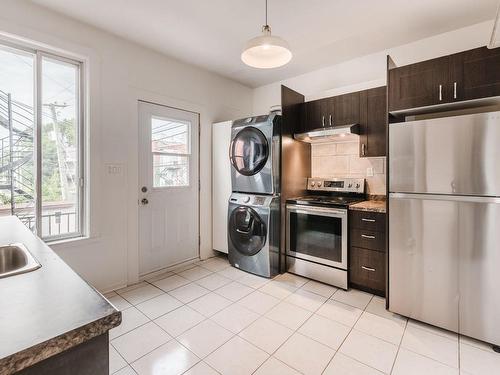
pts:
pixel 442 197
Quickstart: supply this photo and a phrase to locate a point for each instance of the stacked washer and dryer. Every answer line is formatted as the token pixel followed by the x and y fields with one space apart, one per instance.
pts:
pixel 254 205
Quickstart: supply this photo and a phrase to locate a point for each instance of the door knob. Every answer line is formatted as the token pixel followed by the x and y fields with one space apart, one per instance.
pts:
pixel 144 201
pixel 144 189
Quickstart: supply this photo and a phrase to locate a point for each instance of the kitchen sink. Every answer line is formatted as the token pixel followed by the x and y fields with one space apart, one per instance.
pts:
pixel 15 258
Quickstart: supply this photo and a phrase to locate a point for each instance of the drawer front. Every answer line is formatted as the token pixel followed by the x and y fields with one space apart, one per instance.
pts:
pixel 374 221
pixel 367 268
pixel 367 239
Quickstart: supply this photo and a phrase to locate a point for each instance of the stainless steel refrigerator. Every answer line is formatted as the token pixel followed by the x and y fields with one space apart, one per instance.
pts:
pixel 444 223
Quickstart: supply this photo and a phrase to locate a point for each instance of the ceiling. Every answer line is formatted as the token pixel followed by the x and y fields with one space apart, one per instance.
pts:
pixel 211 34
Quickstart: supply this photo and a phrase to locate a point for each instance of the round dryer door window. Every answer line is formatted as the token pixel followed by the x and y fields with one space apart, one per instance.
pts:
pixel 247 231
pixel 249 151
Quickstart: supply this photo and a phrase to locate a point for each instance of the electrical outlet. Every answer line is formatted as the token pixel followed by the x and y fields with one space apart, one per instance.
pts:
pixel 369 172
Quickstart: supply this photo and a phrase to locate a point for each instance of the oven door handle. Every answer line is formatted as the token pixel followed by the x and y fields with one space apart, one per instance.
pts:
pixel 312 211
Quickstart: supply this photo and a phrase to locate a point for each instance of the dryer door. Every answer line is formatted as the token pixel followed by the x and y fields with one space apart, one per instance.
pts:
pixel 249 151
pixel 247 230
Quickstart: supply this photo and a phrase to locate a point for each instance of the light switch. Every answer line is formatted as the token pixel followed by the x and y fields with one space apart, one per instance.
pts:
pixel 369 172
pixel 114 169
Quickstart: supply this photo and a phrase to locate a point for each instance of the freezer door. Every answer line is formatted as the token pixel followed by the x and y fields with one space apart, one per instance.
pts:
pixel 479 269
pixel 423 260
pixel 452 155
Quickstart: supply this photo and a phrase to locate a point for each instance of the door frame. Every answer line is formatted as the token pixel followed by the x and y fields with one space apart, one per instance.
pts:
pixel 139 95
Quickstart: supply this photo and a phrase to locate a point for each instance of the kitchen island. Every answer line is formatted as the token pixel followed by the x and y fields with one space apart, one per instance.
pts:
pixel 51 320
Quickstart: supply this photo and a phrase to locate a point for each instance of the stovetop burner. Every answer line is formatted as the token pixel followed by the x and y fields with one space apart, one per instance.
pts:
pixel 320 200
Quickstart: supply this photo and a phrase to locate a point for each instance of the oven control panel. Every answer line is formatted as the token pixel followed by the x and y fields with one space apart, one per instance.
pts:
pixel 347 185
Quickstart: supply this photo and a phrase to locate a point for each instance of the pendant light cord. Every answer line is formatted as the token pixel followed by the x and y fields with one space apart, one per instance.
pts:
pixel 266 12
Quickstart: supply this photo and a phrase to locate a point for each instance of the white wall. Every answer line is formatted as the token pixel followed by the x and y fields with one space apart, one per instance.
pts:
pixel 370 71
pixel 120 73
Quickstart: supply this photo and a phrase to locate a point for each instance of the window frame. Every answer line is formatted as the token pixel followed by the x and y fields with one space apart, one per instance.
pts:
pixel 81 104
pixel 188 154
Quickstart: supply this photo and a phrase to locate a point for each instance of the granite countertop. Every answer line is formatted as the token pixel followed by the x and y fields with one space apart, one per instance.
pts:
pixel 373 204
pixel 46 311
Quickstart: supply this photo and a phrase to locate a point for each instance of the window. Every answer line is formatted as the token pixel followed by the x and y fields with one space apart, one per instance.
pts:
pixel 171 149
pixel 41 143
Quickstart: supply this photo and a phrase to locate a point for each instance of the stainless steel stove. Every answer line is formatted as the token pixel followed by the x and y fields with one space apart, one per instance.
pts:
pixel 317 231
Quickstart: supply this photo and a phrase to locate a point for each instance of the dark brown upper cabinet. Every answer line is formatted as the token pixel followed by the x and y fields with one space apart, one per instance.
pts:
pixel 346 109
pixel 373 122
pixel 473 74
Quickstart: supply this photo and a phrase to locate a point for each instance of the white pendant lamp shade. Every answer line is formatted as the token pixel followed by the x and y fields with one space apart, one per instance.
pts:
pixel 266 51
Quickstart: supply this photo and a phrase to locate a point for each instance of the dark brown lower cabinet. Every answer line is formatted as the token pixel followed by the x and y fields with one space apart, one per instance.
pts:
pixel 367 251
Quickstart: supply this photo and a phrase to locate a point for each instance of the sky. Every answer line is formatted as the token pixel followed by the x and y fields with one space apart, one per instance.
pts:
pixel 17 78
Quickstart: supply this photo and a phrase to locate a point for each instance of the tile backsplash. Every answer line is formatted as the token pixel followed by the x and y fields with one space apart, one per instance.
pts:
pixel 342 160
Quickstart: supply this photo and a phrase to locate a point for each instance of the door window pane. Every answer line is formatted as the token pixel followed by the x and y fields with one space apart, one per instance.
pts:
pixel 60 169
pixel 171 148
pixel 17 119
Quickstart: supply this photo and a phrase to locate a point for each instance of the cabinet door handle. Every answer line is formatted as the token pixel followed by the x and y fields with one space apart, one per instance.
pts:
pixel 368 269
pixel 367 236
pixel 363 149
pixel 330 120
pixel 369 220
pixel 440 92
pixel 323 121
pixel 454 90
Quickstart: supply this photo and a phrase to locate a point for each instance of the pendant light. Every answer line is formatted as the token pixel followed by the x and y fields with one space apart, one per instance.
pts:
pixel 266 51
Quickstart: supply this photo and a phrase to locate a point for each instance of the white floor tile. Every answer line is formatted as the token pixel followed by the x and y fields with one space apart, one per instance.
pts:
pixel 343 365
pixel 126 371
pixel 236 357
pixel 234 291
pixel 210 304
pixel 479 362
pixel 289 315
pixel 385 329
pixel 305 299
pixel 277 289
pixel 235 318
pixel 204 338
pixel 171 282
pixel 291 280
pixel 432 329
pixel 141 294
pixel 476 343
pixel 340 312
pixel 180 320
pixel 131 318
pixel 353 297
pixel 189 292
pixel 116 362
pixel 423 342
pixel 201 368
pixel 131 287
pixel 213 281
pixel 377 307
pixel 275 367
pixel 195 273
pixel 140 341
pixel 370 350
pixel 319 288
pixel 253 281
pixel 266 334
pixel 215 264
pixel 409 363
pixel 108 295
pixel 304 354
pixel 232 273
pixel 169 359
pixel 157 306
pixel 324 330
pixel 259 302
pixel 119 302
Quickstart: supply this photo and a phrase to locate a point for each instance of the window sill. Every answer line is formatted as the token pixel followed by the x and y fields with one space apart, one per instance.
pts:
pixel 73 241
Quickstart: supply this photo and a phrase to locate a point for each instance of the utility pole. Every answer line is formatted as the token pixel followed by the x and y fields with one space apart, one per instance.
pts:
pixel 59 148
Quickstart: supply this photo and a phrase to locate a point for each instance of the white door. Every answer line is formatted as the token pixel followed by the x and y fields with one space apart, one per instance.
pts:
pixel 168 186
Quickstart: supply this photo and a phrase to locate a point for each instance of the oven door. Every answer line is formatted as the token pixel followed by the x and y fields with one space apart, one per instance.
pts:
pixel 317 234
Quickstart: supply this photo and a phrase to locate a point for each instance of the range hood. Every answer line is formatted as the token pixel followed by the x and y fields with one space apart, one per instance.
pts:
pixel 341 133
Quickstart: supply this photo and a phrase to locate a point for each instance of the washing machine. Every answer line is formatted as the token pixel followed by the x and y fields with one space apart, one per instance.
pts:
pixel 254 233
pixel 254 153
